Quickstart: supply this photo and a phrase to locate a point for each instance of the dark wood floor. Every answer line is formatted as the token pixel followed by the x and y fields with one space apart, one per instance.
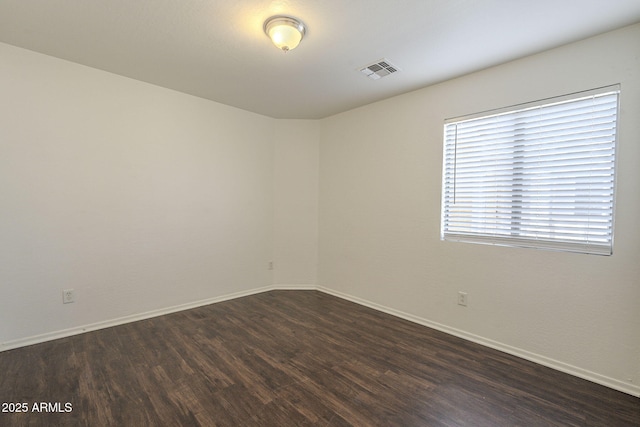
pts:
pixel 292 358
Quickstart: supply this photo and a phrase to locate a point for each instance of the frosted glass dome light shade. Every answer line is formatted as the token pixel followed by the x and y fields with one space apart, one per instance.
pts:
pixel 284 31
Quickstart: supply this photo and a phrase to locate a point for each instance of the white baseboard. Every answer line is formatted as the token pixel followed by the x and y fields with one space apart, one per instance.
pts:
pixel 622 386
pixel 301 287
pixel 613 383
pixel 49 336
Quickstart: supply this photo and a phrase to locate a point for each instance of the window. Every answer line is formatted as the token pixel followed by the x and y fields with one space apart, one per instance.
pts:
pixel 537 175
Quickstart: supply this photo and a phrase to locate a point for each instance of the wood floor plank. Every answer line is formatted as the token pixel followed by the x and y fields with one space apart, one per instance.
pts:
pixel 293 358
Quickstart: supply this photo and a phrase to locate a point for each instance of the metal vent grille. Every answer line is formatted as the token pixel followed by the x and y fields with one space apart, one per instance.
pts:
pixel 379 69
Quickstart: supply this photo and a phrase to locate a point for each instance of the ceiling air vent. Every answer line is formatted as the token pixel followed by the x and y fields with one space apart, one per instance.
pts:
pixel 379 69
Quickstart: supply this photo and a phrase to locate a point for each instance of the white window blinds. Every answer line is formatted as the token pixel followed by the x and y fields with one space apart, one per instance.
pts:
pixel 537 175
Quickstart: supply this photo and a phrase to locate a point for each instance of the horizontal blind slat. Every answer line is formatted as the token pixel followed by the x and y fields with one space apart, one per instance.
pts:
pixel 537 176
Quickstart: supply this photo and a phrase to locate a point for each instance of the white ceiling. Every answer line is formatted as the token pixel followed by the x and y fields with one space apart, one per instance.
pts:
pixel 216 49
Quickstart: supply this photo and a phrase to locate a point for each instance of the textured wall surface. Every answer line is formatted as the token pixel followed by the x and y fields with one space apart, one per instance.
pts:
pixel 143 199
pixel 295 235
pixel 138 197
pixel 380 180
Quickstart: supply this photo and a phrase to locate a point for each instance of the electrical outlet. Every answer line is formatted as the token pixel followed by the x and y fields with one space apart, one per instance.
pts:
pixel 68 296
pixel 270 265
pixel 462 298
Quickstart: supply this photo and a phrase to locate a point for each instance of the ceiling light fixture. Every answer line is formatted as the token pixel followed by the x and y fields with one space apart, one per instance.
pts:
pixel 285 32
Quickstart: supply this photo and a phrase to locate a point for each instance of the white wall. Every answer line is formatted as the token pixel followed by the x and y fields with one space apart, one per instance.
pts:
pixel 142 199
pixel 380 178
pixel 296 155
pixel 138 197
